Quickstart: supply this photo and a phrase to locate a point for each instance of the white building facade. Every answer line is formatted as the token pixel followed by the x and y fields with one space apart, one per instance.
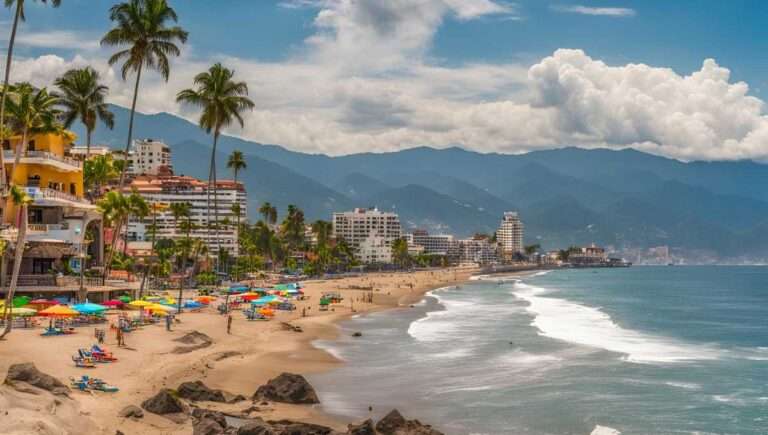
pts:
pixel 510 235
pixel 369 232
pixel 149 157
pixel 179 189
pixel 431 244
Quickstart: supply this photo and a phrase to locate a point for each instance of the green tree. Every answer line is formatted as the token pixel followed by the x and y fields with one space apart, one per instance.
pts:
pixel 84 97
pixel 21 200
pixel 269 212
pixel 99 171
pixel 223 102
pixel 115 208
pixel 32 111
pixel 182 214
pixel 17 17
pixel 531 249
pixel 292 228
pixel 144 40
pixel 400 253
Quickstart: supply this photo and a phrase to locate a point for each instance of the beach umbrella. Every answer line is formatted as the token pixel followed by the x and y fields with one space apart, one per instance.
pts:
pixel 58 311
pixel 124 299
pixel 89 308
pixel 159 309
pixel 205 299
pixel 192 304
pixel 266 312
pixel 113 303
pixel 22 312
pixel 42 302
pixel 20 301
pixel 139 303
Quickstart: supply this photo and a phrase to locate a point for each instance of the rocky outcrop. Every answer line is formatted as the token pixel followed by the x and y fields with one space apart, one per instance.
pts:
pixel 131 411
pixel 288 427
pixel 163 403
pixel 287 388
pixel 256 427
pixel 207 422
pixel 395 424
pixel 199 392
pixel 364 428
pixel 28 373
pixel 194 340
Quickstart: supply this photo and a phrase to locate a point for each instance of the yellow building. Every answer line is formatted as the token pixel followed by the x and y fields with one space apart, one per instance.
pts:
pixel 63 225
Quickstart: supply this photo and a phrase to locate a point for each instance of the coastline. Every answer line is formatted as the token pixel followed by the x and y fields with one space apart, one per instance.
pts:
pixel 237 363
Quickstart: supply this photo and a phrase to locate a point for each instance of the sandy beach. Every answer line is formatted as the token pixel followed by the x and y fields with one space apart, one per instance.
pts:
pixel 237 363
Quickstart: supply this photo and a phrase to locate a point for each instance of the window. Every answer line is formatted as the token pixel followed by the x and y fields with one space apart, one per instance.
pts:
pixel 72 189
pixel 31 146
pixel 6 144
pixel 35 216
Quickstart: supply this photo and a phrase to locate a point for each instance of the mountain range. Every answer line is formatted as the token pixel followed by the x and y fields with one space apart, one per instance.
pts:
pixel 626 198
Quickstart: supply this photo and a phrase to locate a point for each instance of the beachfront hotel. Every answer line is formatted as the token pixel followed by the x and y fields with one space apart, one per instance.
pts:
pixel 369 232
pixel 63 225
pixel 149 157
pixel 169 189
pixel 510 235
pixel 431 244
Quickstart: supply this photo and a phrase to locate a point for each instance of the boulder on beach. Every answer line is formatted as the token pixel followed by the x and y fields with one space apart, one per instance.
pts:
pixel 395 424
pixel 194 340
pixel 163 403
pixel 131 411
pixel 287 388
pixel 288 427
pixel 207 422
pixel 364 428
pixel 199 392
pixel 255 427
pixel 28 373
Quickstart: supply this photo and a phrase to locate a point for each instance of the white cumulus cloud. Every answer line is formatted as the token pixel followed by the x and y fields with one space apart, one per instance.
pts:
pixel 602 11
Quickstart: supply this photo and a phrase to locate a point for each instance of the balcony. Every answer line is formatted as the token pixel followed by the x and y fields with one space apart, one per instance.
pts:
pixel 43 196
pixel 45 157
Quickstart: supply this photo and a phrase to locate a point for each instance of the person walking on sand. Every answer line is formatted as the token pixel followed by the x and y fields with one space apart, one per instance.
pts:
pixel 119 336
pixel 229 323
pixel 168 320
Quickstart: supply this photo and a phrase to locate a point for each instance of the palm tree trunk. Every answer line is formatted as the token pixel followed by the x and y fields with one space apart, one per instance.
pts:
pixel 111 253
pixel 130 127
pixel 6 81
pixel 184 264
pixel 19 150
pixel 19 254
pixel 151 254
pixel 88 133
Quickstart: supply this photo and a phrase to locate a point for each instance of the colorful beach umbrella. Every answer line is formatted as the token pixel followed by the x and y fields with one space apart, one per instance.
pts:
pixel 20 301
pixel 124 299
pixel 22 312
pixel 42 302
pixel 113 303
pixel 58 311
pixel 139 303
pixel 89 308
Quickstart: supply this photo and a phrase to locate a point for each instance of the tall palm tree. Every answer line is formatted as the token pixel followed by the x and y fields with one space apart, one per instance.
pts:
pixel 269 212
pixel 18 16
pixel 182 213
pixel 145 40
pixel 115 207
pixel 21 200
pixel 84 97
pixel 222 101
pixel 32 111
pixel 236 163
pixel 155 208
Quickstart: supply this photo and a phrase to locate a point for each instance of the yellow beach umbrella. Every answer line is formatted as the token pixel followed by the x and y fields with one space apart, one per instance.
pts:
pixel 139 303
pixel 22 312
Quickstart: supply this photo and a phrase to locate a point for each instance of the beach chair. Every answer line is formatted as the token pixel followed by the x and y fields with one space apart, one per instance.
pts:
pixel 83 362
pixel 101 354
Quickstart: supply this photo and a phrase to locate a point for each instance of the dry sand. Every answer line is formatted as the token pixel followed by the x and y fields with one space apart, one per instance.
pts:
pixel 237 363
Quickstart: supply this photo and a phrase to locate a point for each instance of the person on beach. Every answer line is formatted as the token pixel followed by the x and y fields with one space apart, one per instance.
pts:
pixel 168 320
pixel 119 336
pixel 229 323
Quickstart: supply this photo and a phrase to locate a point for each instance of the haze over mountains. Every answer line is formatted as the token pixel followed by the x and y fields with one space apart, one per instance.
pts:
pixel 565 196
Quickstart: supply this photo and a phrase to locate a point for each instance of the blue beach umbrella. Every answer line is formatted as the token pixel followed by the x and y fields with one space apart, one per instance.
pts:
pixel 89 308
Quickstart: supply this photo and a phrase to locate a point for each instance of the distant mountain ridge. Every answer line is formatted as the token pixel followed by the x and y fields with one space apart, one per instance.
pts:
pixel 565 196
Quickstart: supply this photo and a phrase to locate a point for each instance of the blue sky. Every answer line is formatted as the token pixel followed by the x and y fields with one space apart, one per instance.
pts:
pixel 386 79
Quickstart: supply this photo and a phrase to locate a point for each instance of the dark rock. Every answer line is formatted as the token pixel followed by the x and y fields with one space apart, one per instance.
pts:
pixel 131 411
pixel 395 424
pixel 357 334
pixel 237 398
pixel 287 388
pixel 163 403
pixel 391 422
pixel 198 391
pixel 255 427
pixel 364 428
pixel 28 373
pixel 206 422
pixel 288 427
pixel 195 341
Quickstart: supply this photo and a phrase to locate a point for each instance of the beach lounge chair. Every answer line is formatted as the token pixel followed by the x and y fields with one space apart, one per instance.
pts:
pixel 83 362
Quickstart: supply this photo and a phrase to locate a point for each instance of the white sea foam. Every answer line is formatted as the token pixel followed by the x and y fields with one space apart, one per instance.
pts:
pixel 684 385
pixel 580 324
pixel 604 430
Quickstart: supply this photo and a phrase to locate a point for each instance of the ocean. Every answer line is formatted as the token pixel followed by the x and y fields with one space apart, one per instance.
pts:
pixel 643 350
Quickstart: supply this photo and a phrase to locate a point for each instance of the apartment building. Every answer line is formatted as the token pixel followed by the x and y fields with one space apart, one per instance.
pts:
pixel 369 232
pixel 149 157
pixel 169 189
pixel 63 226
pixel 510 235
pixel 431 244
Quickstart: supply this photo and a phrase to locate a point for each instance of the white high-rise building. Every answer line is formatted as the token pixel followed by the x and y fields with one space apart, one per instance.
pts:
pixel 180 189
pixel 432 244
pixel 149 157
pixel 369 232
pixel 510 234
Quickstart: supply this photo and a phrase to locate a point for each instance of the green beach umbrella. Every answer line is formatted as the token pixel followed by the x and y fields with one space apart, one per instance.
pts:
pixel 20 301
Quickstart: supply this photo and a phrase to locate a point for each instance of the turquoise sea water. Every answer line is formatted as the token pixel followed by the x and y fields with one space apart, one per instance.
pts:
pixel 646 350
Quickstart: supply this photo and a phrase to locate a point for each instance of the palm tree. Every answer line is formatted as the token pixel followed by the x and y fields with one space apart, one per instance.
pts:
pixel 269 212
pixel 293 228
pixel 115 207
pixel 145 41
pixel 183 210
pixel 155 208
pixel 32 111
pixel 18 16
pixel 236 163
pixel 99 171
pixel 84 98
pixel 222 101
pixel 21 200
